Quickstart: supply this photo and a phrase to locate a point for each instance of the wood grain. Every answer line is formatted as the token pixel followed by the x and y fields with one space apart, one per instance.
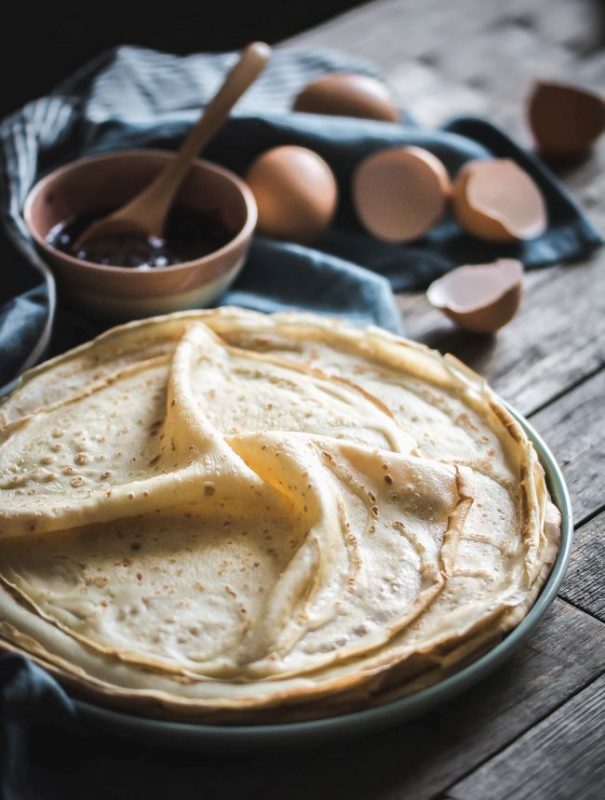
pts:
pixel 481 56
pixel 561 753
pixel 574 427
pixel 470 56
pixel 500 48
pixel 583 585
pixel 422 758
pixel 556 340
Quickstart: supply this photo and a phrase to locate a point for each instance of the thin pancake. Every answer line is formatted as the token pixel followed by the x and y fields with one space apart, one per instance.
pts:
pixel 295 511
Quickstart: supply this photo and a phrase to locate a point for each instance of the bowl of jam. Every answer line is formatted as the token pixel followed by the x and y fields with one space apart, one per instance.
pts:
pixel 203 248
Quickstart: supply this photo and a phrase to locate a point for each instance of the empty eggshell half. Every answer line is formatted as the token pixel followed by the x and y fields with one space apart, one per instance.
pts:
pixel 482 297
pixel 348 95
pixel 565 120
pixel 295 191
pixel 400 193
pixel 497 201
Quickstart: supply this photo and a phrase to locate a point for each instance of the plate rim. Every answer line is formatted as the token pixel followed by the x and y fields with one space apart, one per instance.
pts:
pixel 370 720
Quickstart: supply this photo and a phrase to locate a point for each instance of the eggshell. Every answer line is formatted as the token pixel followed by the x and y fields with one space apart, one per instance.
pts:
pixel 346 94
pixel 497 201
pixel 400 193
pixel 565 120
pixel 482 297
pixel 295 191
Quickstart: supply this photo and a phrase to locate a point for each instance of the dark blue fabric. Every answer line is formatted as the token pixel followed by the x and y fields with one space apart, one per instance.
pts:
pixel 46 753
pixel 132 98
pixel 20 320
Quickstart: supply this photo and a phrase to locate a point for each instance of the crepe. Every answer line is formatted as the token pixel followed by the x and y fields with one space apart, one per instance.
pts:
pixel 226 516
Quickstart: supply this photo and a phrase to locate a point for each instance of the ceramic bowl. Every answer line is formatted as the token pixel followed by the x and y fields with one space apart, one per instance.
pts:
pixel 109 180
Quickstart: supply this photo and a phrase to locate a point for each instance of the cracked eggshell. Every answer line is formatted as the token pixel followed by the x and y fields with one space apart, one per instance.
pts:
pixel 295 191
pixel 497 201
pixel 400 193
pixel 347 94
pixel 565 120
pixel 482 297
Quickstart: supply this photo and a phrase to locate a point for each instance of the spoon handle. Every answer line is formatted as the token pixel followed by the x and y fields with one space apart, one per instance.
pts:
pixel 251 63
pixel 154 202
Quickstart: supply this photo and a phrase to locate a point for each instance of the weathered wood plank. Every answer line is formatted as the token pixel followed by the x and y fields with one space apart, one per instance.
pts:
pixel 453 58
pixel 574 427
pixel 482 57
pixel 422 758
pixel 577 26
pixel 560 758
pixel 583 585
pixel 559 336
pixel 556 339
pixel 502 64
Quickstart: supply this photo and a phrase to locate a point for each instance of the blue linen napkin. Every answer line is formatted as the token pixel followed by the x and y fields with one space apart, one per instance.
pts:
pixel 131 97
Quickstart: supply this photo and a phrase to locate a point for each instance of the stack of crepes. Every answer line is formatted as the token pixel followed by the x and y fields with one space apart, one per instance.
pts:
pixel 224 516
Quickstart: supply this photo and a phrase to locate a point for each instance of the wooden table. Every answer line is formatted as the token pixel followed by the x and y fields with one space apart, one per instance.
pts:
pixel 535 729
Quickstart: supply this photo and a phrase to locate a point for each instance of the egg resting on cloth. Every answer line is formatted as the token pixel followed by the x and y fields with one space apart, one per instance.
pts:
pixel 224 516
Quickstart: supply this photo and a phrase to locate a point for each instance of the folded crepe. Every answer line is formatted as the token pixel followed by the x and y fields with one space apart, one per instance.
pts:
pixel 225 516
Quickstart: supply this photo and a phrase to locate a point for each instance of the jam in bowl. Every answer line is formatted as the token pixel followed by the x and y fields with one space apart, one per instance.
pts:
pixel 203 249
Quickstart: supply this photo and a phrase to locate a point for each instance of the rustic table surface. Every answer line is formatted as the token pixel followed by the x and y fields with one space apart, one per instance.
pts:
pixel 535 729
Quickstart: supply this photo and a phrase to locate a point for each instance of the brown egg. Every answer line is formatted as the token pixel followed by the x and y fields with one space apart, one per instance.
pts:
pixel 480 298
pixel 400 193
pixel 497 201
pixel 344 94
pixel 565 120
pixel 295 191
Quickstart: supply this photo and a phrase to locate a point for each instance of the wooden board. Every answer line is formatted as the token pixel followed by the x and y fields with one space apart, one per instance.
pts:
pixel 533 729
pixel 565 304
pixel 422 758
pixel 561 752
pixel 574 427
pixel 583 584
pixel 474 57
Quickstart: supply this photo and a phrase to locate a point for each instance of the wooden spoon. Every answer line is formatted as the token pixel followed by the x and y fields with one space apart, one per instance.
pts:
pixel 145 215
